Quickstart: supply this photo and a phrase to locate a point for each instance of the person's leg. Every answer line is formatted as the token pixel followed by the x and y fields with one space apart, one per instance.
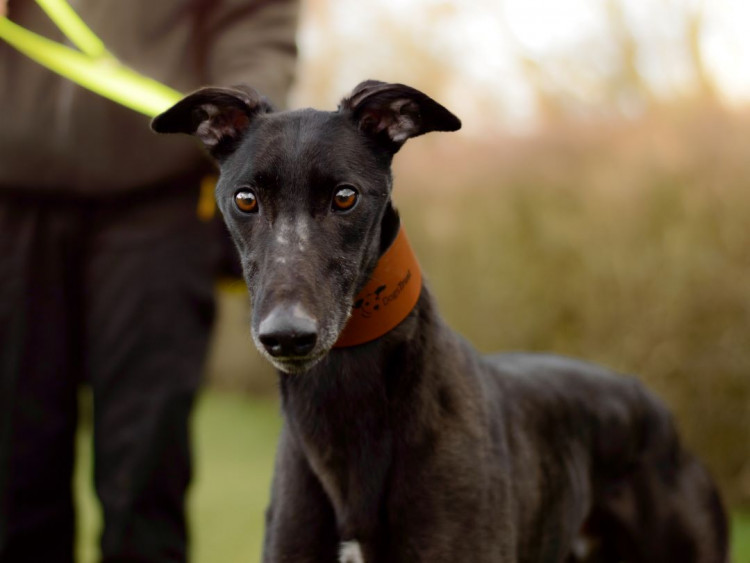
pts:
pixel 38 380
pixel 151 305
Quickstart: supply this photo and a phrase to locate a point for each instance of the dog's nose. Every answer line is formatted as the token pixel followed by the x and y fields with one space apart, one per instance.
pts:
pixel 288 332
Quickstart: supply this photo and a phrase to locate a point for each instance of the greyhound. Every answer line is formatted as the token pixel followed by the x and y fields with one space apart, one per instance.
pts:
pixel 400 442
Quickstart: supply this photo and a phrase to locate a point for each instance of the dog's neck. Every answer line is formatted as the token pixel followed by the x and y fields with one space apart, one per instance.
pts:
pixel 389 296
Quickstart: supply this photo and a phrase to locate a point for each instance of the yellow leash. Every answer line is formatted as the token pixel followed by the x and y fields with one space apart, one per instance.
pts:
pixel 74 28
pixel 98 70
pixel 93 67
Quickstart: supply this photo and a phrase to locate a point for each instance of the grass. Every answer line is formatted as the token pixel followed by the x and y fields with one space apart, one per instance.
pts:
pixel 741 537
pixel 235 442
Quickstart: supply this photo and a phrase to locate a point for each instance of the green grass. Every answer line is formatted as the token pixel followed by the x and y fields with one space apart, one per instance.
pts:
pixel 235 442
pixel 741 537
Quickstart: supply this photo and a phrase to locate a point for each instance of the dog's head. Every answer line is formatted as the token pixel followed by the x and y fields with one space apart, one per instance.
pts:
pixel 306 197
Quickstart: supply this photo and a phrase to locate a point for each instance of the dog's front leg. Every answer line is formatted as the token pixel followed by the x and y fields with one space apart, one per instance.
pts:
pixel 354 483
pixel 300 521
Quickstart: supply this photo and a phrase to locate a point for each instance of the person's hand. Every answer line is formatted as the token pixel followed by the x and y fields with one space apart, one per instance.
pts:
pixel 3 7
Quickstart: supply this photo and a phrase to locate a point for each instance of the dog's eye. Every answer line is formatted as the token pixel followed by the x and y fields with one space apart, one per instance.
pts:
pixel 246 201
pixel 345 198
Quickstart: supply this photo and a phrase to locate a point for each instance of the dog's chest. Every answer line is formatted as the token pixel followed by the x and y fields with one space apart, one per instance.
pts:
pixel 330 467
pixel 344 434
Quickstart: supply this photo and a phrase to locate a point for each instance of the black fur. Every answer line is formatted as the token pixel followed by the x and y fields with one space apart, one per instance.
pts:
pixel 414 445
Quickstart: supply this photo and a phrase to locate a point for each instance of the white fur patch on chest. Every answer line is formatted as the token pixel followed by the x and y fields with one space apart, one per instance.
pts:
pixel 350 552
pixel 582 548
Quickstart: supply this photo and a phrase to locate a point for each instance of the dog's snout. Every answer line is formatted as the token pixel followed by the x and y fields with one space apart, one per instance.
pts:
pixel 288 332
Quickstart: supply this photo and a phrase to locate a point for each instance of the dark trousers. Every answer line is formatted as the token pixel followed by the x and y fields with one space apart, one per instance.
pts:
pixel 116 294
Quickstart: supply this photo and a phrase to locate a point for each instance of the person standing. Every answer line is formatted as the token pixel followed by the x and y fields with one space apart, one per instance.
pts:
pixel 107 271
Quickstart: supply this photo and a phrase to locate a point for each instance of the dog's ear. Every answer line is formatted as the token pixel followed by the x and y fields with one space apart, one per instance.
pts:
pixel 217 116
pixel 393 113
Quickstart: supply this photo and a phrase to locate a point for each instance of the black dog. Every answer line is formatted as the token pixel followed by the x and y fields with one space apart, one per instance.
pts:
pixel 408 445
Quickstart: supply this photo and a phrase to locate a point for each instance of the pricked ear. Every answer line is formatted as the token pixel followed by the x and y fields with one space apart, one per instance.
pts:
pixel 219 117
pixel 393 113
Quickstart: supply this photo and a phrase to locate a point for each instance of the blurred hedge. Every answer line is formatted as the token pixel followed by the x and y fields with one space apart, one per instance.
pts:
pixel 625 243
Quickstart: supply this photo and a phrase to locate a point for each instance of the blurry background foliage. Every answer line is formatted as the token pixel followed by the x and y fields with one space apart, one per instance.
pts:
pixel 596 203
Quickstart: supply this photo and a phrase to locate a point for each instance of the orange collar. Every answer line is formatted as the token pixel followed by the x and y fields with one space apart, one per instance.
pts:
pixel 389 296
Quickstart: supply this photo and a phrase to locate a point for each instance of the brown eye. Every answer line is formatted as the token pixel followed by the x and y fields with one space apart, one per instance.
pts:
pixel 246 201
pixel 345 198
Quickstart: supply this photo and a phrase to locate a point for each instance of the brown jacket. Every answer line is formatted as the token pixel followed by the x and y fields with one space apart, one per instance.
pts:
pixel 57 137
